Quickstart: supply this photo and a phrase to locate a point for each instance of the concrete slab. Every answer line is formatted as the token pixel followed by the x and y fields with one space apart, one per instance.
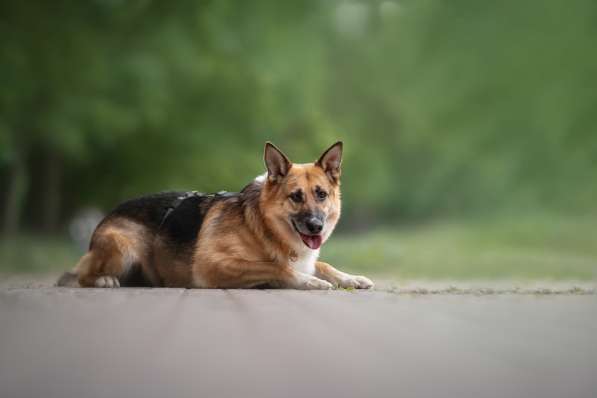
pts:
pixel 60 342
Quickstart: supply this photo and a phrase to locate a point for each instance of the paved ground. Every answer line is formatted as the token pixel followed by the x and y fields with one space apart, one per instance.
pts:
pixel 430 342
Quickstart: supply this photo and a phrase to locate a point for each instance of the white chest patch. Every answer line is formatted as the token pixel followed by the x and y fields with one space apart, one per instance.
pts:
pixel 306 261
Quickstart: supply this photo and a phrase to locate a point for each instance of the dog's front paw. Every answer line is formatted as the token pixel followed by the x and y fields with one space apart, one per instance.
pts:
pixel 107 281
pixel 313 283
pixel 355 282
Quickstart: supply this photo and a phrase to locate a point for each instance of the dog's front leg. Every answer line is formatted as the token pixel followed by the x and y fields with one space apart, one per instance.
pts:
pixel 299 280
pixel 239 273
pixel 341 279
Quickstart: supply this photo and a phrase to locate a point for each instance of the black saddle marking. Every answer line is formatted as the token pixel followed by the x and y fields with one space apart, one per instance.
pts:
pixel 183 219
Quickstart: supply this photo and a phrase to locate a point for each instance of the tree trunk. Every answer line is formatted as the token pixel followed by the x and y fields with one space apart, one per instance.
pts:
pixel 15 195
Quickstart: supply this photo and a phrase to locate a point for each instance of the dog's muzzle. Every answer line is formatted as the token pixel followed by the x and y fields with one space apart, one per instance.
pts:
pixel 309 226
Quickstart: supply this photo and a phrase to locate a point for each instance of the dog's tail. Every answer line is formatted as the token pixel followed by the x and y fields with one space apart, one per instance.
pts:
pixel 68 279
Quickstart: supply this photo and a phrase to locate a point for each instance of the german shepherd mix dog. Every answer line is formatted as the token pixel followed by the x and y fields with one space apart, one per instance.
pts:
pixel 267 235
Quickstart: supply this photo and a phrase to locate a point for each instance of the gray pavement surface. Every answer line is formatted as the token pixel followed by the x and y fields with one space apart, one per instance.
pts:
pixel 60 342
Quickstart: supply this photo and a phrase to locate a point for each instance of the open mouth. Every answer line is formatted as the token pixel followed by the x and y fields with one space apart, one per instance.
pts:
pixel 312 241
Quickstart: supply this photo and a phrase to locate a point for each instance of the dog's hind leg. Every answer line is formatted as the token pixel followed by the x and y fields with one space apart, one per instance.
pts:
pixel 112 255
pixel 91 271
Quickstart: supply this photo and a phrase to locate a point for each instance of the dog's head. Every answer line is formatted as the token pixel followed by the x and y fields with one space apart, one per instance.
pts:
pixel 301 202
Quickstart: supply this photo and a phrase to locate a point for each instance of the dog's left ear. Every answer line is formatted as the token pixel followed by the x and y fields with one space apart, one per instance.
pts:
pixel 331 160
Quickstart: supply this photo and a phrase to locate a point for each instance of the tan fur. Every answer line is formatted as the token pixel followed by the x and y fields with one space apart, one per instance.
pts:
pixel 115 247
pixel 238 246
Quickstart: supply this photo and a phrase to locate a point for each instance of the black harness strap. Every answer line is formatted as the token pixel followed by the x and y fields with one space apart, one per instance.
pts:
pixel 177 203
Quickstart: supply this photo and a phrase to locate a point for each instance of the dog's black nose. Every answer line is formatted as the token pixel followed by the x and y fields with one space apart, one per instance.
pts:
pixel 314 225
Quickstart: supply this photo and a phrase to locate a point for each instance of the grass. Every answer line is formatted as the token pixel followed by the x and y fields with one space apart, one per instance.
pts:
pixel 537 247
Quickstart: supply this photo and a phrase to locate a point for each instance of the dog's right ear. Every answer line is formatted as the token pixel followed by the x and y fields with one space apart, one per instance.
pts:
pixel 276 162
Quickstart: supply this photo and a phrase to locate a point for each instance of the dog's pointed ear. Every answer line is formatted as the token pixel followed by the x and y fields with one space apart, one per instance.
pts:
pixel 276 162
pixel 331 161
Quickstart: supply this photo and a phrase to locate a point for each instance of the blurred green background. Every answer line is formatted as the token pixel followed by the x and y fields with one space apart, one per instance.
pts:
pixel 469 127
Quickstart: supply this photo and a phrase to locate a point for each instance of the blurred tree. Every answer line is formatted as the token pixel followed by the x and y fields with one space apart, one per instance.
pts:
pixel 445 107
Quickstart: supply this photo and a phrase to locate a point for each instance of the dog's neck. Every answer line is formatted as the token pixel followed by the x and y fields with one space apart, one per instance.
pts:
pixel 278 248
pixel 250 196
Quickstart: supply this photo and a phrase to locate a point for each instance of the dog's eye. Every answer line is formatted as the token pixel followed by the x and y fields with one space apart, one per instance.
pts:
pixel 321 195
pixel 296 196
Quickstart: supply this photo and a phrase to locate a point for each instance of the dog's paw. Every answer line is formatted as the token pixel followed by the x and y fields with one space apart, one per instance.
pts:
pixel 313 283
pixel 107 281
pixel 355 282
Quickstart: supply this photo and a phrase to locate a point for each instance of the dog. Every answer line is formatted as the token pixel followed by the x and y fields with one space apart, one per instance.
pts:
pixel 267 235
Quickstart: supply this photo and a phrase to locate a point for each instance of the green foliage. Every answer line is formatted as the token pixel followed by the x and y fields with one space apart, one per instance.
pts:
pixel 502 99
pixel 446 108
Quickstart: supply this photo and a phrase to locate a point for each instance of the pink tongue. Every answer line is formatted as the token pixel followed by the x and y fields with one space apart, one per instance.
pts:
pixel 313 241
